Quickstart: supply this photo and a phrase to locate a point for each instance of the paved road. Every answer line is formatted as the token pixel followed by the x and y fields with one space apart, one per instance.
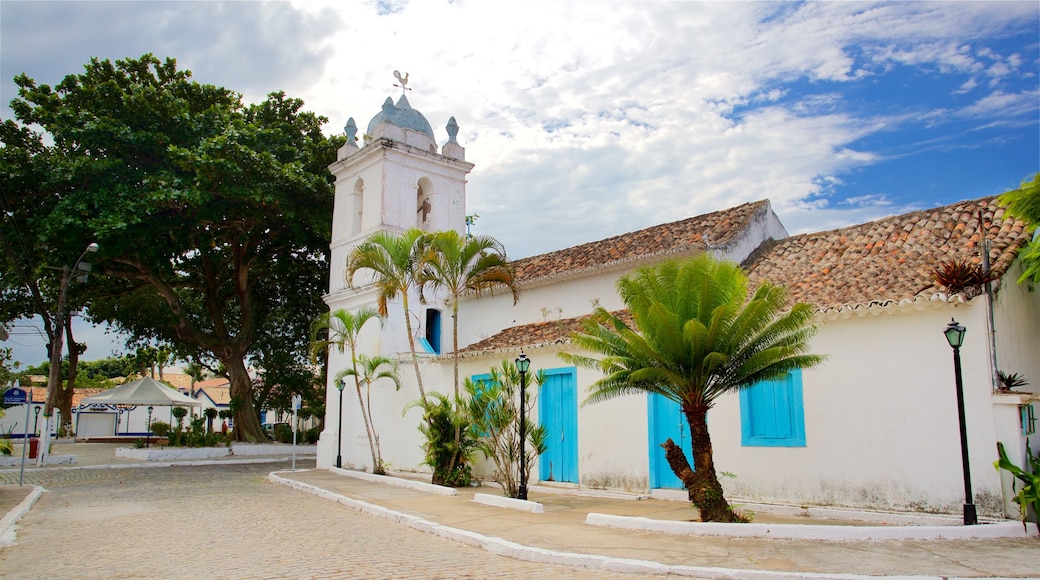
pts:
pixel 226 521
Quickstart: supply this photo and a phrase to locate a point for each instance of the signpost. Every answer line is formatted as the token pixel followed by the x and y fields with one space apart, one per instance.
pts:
pixel 297 402
pixel 16 396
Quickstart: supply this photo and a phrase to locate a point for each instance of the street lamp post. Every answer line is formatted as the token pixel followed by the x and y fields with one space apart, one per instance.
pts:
pixel 955 336
pixel 54 374
pixel 522 364
pixel 341 384
pixel 148 440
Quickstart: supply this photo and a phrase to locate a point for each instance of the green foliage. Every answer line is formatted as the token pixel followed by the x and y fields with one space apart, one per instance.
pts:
pixel 139 443
pixel 283 433
pixel 161 428
pixel 212 216
pixel 494 409
pixel 311 435
pixel 459 264
pixel 448 457
pixel 1027 486
pixel 1024 203
pixel 396 262
pixel 693 336
pixel 1010 381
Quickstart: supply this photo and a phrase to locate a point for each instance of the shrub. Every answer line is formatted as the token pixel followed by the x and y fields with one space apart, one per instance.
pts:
pixel 450 462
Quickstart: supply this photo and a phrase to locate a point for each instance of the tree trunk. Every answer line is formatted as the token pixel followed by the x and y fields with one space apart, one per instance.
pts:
pixel 411 347
pixel 247 420
pixel 702 485
pixel 63 395
pixel 377 466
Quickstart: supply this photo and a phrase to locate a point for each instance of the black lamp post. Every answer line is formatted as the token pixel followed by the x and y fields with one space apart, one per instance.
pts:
pixel 522 364
pixel 339 430
pixel 148 440
pixel 36 420
pixel 955 336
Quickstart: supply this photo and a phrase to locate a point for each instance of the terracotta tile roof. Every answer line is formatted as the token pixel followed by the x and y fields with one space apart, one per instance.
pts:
pixel 532 335
pixel 887 261
pixel 218 390
pixel 873 264
pixel 39 394
pixel 685 237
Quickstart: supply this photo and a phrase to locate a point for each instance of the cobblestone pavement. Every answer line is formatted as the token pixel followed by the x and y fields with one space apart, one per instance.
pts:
pixel 226 521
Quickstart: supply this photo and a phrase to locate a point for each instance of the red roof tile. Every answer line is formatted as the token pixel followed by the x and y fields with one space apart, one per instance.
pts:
pixel 876 263
pixel 889 260
pixel 685 237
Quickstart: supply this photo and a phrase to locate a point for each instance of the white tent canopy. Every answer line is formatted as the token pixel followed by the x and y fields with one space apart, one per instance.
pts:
pixel 145 391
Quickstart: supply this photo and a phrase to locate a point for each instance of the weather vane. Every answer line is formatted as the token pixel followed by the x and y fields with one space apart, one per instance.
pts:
pixel 403 81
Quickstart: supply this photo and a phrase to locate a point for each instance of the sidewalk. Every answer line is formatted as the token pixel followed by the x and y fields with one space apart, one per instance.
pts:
pixel 560 535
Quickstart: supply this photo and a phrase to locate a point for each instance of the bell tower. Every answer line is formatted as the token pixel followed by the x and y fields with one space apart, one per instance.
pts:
pixel 396 180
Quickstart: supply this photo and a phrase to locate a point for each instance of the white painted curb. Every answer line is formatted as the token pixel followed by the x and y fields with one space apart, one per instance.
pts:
pixel 7 523
pixel 516 551
pixel 812 532
pixel 396 481
pixel 509 502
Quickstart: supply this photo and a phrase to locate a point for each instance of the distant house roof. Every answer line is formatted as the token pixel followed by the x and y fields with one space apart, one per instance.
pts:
pixel 889 260
pixel 217 390
pixel 873 264
pixel 690 236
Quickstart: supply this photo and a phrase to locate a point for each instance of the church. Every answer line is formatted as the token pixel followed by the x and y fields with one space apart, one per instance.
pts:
pixel 874 427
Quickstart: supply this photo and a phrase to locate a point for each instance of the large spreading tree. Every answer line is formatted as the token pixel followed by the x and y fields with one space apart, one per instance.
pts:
pixel 696 336
pixel 213 217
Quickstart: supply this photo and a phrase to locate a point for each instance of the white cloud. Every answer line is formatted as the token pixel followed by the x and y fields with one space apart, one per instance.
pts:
pixel 587 119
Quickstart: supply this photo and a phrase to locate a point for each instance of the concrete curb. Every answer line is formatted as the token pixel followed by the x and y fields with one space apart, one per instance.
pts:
pixel 501 547
pixel 396 481
pixel 158 464
pixel 812 532
pixel 8 522
pixel 509 502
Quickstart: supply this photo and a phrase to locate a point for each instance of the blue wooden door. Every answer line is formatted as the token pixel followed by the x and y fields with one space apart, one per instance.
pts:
pixel 666 420
pixel 558 412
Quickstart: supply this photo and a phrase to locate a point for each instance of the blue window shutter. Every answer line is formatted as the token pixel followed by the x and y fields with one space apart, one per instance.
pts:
pixel 772 413
pixel 433 330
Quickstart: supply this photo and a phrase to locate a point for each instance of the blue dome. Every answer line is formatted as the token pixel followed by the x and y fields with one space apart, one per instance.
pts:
pixel 401 115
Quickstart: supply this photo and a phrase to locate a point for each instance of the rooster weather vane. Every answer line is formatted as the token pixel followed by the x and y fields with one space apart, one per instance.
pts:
pixel 402 80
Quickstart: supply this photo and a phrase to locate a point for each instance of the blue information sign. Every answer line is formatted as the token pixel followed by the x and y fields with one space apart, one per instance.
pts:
pixel 16 397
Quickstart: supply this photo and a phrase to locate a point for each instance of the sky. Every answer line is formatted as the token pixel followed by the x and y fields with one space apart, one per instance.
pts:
pixel 590 119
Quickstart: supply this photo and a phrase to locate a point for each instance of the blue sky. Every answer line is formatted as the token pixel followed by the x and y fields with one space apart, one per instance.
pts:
pixel 591 119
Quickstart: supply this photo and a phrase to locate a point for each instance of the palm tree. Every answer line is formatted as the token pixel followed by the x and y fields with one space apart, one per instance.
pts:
pixel 372 369
pixel 461 264
pixel 396 261
pixel 1024 203
pixel 340 330
pixel 695 337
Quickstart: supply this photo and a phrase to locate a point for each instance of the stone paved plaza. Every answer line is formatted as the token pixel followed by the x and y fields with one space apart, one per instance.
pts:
pixel 225 521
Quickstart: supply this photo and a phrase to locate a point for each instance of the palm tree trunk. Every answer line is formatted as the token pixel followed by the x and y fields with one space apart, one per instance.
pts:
pixel 374 436
pixel 411 347
pixel 377 466
pixel 702 485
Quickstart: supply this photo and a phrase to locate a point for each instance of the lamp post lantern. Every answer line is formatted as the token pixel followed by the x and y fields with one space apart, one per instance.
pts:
pixel 148 440
pixel 522 364
pixel 955 336
pixel 341 384
pixel 57 343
